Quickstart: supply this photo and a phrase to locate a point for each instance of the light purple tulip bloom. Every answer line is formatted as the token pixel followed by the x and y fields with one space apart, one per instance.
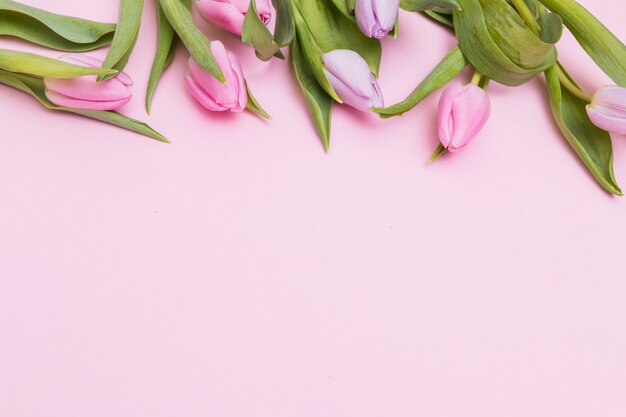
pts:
pixel 376 18
pixel 85 92
pixel 229 14
pixel 352 79
pixel 209 91
pixel 608 109
pixel 463 111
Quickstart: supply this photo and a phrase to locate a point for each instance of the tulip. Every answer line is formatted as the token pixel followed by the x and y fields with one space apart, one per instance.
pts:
pixel 352 80
pixel 376 18
pixel 608 109
pixel 209 91
pixel 86 92
pixel 229 14
pixel 463 111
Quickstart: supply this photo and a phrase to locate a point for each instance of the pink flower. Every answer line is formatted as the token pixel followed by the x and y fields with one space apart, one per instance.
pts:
pixel 229 14
pixel 608 109
pixel 376 18
pixel 463 111
pixel 352 79
pixel 85 92
pixel 209 91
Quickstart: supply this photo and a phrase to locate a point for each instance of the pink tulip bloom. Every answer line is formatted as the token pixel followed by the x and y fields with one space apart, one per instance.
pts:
pixel 463 111
pixel 376 18
pixel 608 109
pixel 352 79
pixel 85 92
pixel 209 91
pixel 229 14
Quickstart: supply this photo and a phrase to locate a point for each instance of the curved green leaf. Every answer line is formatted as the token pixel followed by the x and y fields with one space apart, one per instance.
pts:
pixel 284 32
pixel 451 65
pixel 196 43
pixel 125 36
pixel 592 145
pixel 601 45
pixel 166 46
pixel 52 30
pixel 41 66
pixel 35 87
pixel 257 35
pixel 254 106
pixel 497 42
pixel 423 5
pixel 319 102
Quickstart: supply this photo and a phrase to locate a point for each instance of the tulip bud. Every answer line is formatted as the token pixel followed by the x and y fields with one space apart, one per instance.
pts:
pixel 209 91
pixel 608 109
pixel 86 92
pixel 376 18
pixel 229 14
pixel 352 79
pixel 463 111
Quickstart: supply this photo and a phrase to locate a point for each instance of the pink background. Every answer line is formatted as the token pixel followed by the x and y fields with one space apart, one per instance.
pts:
pixel 242 272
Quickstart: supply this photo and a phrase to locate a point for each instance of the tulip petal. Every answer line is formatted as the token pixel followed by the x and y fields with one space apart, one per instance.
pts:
pixel 446 122
pixel 201 95
pixel 610 100
pixel 365 18
pixel 386 12
pixel 351 68
pixel 86 60
pixel 87 88
pixel 470 112
pixel 239 81
pixel 222 14
pixel 616 125
pixel 64 101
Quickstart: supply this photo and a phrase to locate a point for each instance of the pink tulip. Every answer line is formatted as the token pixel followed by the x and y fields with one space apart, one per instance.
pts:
pixel 463 111
pixel 352 79
pixel 376 18
pixel 608 109
pixel 85 92
pixel 209 91
pixel 229 14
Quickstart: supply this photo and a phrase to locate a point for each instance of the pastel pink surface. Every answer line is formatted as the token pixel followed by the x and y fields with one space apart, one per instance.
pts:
pixel 243 272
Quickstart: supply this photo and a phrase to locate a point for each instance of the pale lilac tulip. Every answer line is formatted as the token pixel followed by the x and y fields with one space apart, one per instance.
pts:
pixel 209 91
pixel 352 79
pixel 463 111
pixel 229 14
pixel 376 18
pixel 86 92
pixel 608 109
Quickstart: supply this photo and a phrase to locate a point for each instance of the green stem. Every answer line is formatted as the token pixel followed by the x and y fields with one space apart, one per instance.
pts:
pixel 527 15
pixel 571 87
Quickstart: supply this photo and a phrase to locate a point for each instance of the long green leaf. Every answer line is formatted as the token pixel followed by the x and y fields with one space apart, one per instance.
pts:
pixel 257 35
pixel 41 66
pixel 166 46
pixel 196 43
pixel 284 32
pixel 451 65
pixel 318 101
pixel 592 145
pixel 601 45
pixel 35 87
pixel 125 36
pixel 423 5
pixel 52 30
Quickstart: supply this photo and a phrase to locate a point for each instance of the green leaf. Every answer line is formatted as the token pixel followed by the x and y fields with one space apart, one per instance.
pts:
pixel 166 47
pixel 52 30
pixel 497 42
pixel 257 35
pixel 284 32
pixel 125 36
pixel 41 66
pixel 601 45
pixel 36 88
pixel 592 145
pixel 423 5
pixel 551 27
pixel 318 101
pixel 196 43
pixel 254 106
pixel 441 18
pixel 451 65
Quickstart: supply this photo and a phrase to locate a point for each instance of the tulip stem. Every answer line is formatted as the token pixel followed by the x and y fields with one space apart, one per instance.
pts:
pixel 480 80
pixel 571 86
pixel 527 15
